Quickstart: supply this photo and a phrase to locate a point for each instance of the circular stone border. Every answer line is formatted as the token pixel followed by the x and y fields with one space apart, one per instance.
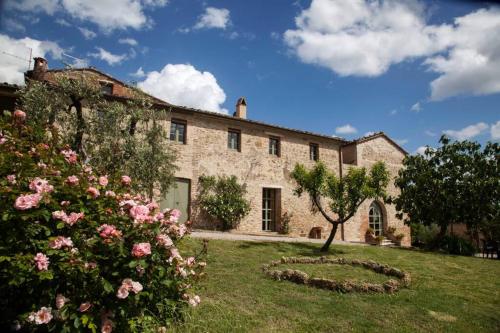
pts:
pixel 390 286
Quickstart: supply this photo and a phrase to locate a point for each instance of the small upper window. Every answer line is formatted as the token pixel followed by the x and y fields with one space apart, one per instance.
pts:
pixel 274 146
pixel 313 151
pixel 106 87
pixel 178 131
pixel 233 139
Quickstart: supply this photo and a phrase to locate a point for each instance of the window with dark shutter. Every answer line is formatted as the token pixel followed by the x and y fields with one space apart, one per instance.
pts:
pixel 178 131
pixel 234 139
pixel 274 146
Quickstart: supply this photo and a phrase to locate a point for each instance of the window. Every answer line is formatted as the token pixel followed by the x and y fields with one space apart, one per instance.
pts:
pixel 178 131
pixel 233 139
pixel 313 151
pixel 375 218
pixel 106 87
pixel 274 146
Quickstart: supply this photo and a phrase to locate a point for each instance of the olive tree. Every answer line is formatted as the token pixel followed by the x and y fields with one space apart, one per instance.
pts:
pixel 115 137
pixel 342 195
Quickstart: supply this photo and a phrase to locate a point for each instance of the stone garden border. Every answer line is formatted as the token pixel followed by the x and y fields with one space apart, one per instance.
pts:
pixel 347 286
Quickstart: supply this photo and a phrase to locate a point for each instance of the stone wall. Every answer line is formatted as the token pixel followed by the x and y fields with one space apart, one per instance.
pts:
pixel 368 153
pixel 206 152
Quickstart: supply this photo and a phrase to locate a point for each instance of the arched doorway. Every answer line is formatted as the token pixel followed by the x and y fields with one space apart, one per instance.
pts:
pixel 376 218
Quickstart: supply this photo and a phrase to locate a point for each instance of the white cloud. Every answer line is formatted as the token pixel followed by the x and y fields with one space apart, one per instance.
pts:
pixel 429 133
pixel 139 73
pixel 364 38
pixel 12 69
pixel 48 6
pixel 416 107
pixel 63 22
pixel 369 133
pixel 472 66
pixel 467 132
pixel 361 38
pixel 421 150
pixel 110 58
pixel 183 84
pixel 346 129
pixel 88 34
pixel 107 14
pixel 213 18
pixel 13 25
pixel 401 141
pixel 128 41
pixel 495 131
pixel 393 112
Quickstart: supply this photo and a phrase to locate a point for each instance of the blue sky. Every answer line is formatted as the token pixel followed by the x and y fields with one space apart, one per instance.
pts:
pixel 413 69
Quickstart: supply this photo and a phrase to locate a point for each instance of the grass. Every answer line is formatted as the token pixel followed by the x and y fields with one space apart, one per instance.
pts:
pixel 448 293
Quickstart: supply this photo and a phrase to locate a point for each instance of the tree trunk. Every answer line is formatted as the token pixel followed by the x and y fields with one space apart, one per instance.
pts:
pixel 330 238
pixel 80 127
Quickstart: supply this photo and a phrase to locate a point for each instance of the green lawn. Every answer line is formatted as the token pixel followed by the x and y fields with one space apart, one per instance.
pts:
pixel 448 293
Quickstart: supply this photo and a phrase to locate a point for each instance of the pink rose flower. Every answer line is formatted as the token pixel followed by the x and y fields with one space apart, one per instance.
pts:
pixel 60 242
pixel 84 306
pixel 60 301
pixel 108 231
pixel 11 179
pixel 65 203
pixel 174 215
pixel 140 213
pixel 190 261
pixel 164 240
pixel 41 186
pixel 122 292
pixel 19 116
pixel 159 216
pixel 73 218
pixel 127 203
pixel 72 180
pixel 106 326
pixel 127 286
pixel 42 165
pixel 41 262
pixel 70 156
pixel 153 205
pixel 103 181
pixel 141 249
pixel 126 180
pixel 110 194
pixel 27 201
pixel 42 316
pixel 174 254
pixel 59 215
pixel 94 193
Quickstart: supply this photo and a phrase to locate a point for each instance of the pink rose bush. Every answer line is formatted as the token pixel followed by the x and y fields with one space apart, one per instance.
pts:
pixel 80 251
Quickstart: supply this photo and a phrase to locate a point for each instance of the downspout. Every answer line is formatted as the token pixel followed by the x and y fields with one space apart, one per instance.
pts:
pixel 340 175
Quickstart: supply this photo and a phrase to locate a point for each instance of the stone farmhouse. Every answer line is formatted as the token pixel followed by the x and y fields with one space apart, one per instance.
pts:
pixel 262 156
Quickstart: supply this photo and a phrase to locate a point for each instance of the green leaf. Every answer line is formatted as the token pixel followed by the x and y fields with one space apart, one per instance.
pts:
pixel 60 225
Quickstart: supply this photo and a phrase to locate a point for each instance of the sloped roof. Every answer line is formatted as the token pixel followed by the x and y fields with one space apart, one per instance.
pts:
pixel 374 136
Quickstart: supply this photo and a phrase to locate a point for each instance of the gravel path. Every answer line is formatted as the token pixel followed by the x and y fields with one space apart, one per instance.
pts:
pixel 261 238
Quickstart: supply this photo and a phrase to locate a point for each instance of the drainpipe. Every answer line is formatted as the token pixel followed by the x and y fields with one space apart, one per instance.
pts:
pixel 340 175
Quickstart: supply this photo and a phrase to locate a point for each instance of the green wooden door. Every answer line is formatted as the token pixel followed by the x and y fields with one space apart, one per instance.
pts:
pixel 178 197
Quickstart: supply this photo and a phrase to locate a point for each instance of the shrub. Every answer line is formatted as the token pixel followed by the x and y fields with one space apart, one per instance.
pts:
pixel 285 223
pixel 80 251
pixel 223 198
pixel 391 230
pixel 456 245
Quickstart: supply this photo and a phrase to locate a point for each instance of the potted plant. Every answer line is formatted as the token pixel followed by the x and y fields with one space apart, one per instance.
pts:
pixel 391 230
pixel 399 238
pixel 369 235
pixel 379 239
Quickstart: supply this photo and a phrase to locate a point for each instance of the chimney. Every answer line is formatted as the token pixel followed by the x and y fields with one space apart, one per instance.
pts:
pixel 39 69
pixel 241 108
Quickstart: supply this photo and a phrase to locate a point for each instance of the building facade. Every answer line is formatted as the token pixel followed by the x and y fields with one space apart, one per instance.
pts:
pixel 262 156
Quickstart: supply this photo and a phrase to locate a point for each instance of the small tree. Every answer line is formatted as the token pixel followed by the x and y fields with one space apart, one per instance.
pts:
pixel 223 198
pixel 343 195
pixel 455 183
